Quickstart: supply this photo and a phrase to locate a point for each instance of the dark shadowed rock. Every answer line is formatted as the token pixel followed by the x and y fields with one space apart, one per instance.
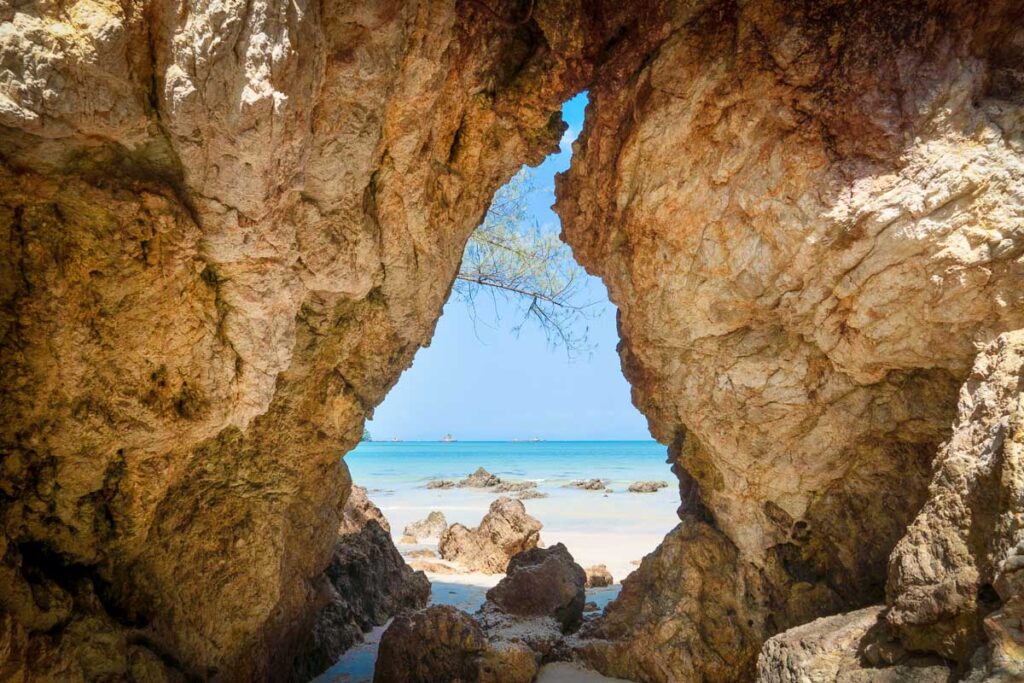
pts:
pixel 439 643
pixel 369 583
pixel 505 530
pixel 542 582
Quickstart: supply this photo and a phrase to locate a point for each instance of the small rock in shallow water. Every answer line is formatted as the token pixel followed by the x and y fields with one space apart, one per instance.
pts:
pixel 598 576
pixel 590 607
pixel 440 484
pixel 481 479
pixel 588 484
pixel 647 486
pixel 515 486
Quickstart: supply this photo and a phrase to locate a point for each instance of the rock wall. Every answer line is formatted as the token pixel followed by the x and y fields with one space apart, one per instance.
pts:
pixel 811 216
pixel 228 226
pixel 958 574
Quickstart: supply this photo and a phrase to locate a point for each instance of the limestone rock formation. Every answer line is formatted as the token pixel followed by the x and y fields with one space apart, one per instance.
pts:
pixel 504 531
pixel 369 582
pixel 961 562
pixel 647 633
pixel 441 643
pixel 227 228
pixel 431 526
pixel 598 576
pixel 542 582
pixel 359 511
pixel 809 218
pixel 849 648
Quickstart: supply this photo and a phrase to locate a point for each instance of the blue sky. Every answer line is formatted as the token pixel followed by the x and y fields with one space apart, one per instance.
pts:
pixel 479 381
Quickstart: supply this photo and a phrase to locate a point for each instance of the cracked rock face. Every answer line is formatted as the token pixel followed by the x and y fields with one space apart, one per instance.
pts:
pixel 959 571
pixel 811 216
pixel 227 228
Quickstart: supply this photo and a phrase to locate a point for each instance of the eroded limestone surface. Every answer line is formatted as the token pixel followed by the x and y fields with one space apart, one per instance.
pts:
pixel 228 226
pixel 811 217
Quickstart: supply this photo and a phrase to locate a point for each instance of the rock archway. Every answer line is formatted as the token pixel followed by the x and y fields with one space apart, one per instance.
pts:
pixel 229 226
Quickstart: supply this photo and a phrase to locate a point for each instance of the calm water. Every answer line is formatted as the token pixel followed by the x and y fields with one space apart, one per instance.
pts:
pixel 391 465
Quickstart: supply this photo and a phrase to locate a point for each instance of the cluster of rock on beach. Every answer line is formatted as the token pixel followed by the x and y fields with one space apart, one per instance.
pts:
pixel 524 490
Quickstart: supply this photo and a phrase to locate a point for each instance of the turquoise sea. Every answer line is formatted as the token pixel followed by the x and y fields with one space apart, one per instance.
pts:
pixel 397 465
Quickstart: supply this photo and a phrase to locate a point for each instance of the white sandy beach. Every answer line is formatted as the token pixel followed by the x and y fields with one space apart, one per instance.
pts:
pixel 616 529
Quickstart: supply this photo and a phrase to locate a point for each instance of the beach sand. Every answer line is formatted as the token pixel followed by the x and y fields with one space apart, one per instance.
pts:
pixel 616 529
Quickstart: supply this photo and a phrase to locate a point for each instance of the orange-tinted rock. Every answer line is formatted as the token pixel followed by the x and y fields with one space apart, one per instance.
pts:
pixel 504 531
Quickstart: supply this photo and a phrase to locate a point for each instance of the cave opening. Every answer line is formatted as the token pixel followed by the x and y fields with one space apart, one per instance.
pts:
pixel 502 405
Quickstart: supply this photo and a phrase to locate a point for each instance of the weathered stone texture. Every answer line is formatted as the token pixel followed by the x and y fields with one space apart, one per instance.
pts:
pixel 228 227
pixel 961 559
pixel 810 216
pixel 504 531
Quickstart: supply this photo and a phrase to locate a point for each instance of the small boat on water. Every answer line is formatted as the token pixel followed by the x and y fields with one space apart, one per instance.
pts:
pixel 447 438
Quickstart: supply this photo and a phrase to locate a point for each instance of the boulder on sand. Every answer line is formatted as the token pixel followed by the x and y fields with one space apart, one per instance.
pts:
pixel 440 484
pixel 481 479
pixel 588 484
pixel 504 531
pixel 598 576
pixel 441 643
pixel 432 526
pixel 647 486
pixel 542 582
